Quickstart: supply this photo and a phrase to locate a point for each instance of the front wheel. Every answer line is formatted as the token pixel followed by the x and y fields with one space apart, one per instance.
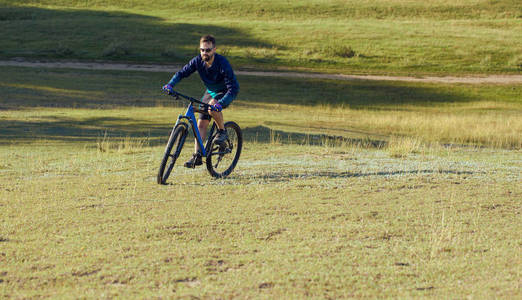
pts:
pixel 177 139
pixel 222 159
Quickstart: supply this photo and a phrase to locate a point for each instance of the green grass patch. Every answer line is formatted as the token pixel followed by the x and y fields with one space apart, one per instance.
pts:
pixel 407 37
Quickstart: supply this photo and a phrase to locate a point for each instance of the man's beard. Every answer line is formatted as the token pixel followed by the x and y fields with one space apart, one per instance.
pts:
pixel 206 57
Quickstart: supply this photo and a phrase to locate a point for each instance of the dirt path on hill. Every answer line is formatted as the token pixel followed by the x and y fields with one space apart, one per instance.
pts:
pixel 492 79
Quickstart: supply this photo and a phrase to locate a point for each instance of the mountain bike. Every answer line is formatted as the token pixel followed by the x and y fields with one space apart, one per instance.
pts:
pixel 220 159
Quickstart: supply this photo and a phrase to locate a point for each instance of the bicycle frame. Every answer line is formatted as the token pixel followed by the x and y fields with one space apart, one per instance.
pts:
pixel 191 119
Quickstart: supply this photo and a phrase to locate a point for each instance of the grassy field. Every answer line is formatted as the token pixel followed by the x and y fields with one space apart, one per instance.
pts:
pixel 292 222
pixel 400 37
pixel 344 189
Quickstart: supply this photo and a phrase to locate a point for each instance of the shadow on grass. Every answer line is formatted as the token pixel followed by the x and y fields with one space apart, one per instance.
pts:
pixel 88 130
pixel 114 35
pixel 273 177
pixel 57 128
pixel 262 134
pixel 41 87
pixel 357 94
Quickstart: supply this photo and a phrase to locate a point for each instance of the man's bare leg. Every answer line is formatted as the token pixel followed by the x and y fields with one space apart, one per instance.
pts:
pixel 217 115
pixel 202 126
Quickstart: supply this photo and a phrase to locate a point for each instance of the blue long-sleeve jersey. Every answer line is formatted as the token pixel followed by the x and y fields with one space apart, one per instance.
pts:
pixel 219 78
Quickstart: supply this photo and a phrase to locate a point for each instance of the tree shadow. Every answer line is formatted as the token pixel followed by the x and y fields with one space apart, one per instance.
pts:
pixel 61 128
pixel 356 94
pixel 35 87
pixel 88 130
pixel 266 135
pixel 115 35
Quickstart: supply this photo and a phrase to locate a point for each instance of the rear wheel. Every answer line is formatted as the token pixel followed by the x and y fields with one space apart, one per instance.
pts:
pixel 222 159
pixel 174 146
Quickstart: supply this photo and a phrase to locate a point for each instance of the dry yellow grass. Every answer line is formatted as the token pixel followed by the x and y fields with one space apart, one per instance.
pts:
pixel 125 145
pixel 402 146
pixel 490 124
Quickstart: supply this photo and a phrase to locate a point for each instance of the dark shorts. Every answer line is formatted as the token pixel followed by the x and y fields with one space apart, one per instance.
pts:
pixel 206 99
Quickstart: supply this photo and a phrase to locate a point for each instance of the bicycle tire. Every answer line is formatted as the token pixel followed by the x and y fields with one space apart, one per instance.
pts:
pixel 230 153
pixel 177 136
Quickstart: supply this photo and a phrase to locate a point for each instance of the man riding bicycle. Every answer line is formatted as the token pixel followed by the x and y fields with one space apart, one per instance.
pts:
pixel 222 88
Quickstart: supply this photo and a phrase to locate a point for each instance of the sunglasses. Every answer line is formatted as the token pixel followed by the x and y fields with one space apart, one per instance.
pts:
pixel 206 50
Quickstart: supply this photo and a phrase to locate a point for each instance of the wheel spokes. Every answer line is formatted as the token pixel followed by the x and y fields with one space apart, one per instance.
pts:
pixel 218 161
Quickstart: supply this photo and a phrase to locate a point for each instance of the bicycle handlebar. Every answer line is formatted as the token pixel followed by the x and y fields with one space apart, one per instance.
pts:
pixel 176 95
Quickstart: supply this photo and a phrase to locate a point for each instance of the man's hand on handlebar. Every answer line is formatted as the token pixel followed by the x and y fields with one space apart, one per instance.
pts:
pixel 168 88
pixel 216 107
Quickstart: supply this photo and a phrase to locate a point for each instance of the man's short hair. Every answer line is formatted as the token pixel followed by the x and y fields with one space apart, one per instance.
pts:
pixel 208 39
